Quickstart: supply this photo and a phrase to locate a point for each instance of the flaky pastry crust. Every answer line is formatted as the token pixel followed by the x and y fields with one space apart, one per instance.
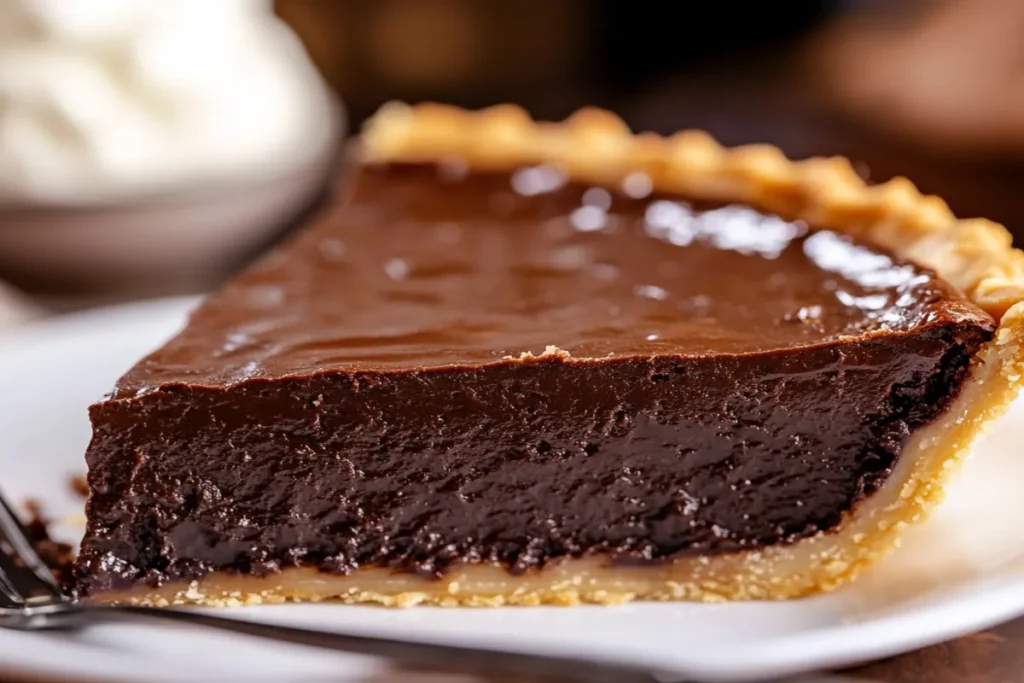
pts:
pixel 594 146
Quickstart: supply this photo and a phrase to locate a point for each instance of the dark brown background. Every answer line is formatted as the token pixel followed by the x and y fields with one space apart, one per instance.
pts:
pixel 738 69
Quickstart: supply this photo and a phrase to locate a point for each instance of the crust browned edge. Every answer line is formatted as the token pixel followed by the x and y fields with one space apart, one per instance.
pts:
pixel 595 146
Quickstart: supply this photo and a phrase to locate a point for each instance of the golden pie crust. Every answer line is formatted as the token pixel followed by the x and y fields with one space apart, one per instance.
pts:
pixel 974 255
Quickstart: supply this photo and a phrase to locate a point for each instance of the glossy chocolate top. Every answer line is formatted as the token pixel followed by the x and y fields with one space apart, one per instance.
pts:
pixel 432 266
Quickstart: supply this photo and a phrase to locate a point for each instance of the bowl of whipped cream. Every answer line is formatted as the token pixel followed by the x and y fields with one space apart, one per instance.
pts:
pixel 144 139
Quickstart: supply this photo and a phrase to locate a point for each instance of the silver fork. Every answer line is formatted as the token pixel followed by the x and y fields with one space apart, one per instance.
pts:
pixel 31 600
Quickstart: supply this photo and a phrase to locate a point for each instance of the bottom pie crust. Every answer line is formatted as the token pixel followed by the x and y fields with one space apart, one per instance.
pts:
pixel 811 565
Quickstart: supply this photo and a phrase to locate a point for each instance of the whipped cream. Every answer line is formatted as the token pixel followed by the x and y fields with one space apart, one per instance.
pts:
pixel 114 98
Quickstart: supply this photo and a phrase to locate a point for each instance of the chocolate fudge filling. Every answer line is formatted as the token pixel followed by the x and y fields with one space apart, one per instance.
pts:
pixel 453 367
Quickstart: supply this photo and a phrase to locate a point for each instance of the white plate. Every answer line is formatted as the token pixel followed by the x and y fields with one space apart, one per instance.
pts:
pixel 962 571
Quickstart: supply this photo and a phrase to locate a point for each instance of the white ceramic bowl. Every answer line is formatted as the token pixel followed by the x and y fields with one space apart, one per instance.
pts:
pixel 178 237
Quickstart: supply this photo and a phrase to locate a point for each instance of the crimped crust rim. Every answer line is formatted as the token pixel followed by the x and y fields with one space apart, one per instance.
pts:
pixel 974 255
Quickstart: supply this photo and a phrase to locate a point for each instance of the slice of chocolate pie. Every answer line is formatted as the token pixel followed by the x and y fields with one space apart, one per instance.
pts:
pixel 522 363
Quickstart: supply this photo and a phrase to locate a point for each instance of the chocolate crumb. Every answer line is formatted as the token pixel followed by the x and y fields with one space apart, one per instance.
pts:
pixel 79 484
pixel 59 557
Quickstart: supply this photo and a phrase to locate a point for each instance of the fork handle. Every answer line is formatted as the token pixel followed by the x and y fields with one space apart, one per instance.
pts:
pixel 480 661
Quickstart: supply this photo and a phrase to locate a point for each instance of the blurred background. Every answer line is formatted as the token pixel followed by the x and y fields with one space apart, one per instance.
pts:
pixel 151 148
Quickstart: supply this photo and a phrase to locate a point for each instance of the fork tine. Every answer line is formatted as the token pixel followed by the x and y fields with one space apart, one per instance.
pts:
pixel 9 598
pixel 24 577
